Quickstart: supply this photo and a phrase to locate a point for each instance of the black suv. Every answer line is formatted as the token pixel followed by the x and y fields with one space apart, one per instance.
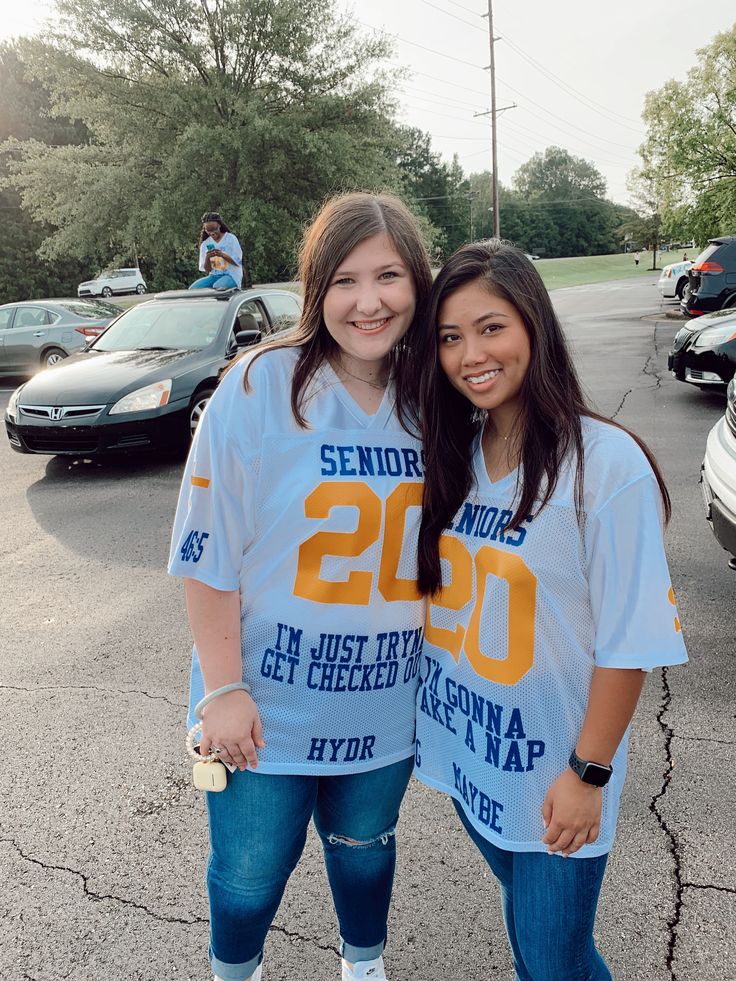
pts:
pixel 712 284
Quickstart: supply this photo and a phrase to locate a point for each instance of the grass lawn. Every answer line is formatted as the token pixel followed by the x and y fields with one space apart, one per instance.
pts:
pixel 554 272
pixel 599 268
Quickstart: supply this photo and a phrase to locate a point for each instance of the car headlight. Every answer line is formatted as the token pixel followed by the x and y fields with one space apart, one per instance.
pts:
pixel 712 336
pixel 12 409
pixel 144 399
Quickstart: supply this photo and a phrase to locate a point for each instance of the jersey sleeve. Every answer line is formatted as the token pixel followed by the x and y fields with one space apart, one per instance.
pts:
pixel 634 612
pixel 215 517
pixel 202 253
pixel 234 250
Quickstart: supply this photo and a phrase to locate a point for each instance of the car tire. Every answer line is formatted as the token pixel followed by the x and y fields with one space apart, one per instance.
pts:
pixel 680 291
pixel 140 288
pixel 730 301
pixel 197 407
pixel 52 356
pixel 106 291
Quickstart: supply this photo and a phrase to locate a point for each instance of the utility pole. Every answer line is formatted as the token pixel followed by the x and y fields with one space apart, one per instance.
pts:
pixel 494 145
pixel 494 114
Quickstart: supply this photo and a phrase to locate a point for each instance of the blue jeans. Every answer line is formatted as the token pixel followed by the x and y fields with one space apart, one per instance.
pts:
pixel 549 907
pixel 258 828
pixel 215 281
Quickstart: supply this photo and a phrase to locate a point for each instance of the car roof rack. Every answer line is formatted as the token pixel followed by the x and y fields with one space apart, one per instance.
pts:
pixel 193 294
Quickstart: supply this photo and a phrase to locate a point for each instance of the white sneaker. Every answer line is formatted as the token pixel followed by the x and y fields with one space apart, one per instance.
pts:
pixel 364 969
pixel 255 976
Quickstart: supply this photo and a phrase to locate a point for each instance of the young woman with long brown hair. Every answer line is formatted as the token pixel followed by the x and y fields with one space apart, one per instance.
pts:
pixel 549 599
pixel 302 492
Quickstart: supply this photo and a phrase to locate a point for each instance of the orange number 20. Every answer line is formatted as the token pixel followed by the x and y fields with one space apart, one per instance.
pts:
pixel 356 589
pixel 522 594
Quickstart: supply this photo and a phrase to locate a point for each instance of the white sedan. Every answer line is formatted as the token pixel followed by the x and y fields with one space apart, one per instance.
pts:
pixel 674 279
pixel 718 477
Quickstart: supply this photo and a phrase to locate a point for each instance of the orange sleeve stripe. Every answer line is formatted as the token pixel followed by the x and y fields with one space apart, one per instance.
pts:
pixel 201 481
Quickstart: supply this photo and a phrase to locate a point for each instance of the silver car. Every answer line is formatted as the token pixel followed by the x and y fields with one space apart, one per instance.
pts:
pixel 38 333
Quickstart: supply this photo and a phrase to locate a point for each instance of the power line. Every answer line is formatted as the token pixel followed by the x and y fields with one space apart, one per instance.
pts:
pixel 566 85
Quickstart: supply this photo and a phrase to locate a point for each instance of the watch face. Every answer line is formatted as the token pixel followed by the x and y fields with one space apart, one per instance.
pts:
pixel 596 775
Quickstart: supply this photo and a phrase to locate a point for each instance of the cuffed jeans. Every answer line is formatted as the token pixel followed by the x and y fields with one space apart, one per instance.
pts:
pixel 549 906
pixel 215 281
pixel 258 828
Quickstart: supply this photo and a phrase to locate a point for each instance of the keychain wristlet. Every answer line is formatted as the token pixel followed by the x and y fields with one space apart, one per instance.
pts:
pixel 209 772
pixel 233 686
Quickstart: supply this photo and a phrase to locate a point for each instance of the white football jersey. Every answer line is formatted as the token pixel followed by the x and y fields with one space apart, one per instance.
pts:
pixel 523 619
pixel 317 528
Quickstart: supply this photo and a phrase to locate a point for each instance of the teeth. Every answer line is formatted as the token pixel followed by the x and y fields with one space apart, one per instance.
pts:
pixel 479 379
pixel 369 325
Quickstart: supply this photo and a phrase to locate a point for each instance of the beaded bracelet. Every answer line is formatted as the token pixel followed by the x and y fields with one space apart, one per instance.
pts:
pixel 233 686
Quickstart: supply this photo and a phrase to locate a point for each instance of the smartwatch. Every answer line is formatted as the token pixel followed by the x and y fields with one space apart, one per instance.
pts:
pixel 596 774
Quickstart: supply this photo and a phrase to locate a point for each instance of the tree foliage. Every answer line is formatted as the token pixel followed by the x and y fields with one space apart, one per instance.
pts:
pixel 258 109
pixel 690 148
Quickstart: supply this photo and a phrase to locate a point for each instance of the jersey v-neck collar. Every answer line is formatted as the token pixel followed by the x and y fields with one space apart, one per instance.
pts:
pixel 380 417
pixel 481 471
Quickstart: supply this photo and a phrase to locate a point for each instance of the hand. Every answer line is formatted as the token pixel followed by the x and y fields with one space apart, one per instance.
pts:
pixel 233 723
pixel 571 813
pixel 217 252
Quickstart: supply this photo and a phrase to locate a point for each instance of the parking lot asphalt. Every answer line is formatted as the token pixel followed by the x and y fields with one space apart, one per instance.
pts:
pixel 103 841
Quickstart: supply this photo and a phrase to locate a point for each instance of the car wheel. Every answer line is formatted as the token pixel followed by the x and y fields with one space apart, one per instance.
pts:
pixel 680 291
pixel 686 293
pixel 53 356
pixel 197 407
pixel 140 288
pixel 730 301
pixel 106 291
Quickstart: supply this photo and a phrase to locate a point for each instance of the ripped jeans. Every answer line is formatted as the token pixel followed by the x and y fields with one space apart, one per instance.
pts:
pixel 258 828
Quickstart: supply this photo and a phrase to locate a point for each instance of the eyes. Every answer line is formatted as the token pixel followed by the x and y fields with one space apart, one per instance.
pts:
pixel 384 277
pixel 448 336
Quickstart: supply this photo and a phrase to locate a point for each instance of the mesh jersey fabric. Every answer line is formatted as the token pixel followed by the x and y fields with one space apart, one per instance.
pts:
pixel 317 528
pixel 522 621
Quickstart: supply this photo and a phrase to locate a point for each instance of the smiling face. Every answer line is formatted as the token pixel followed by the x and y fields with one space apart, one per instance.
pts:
pixel 369 303
pixel 484 350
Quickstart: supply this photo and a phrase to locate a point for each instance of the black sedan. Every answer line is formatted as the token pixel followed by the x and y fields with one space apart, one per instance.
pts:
pixel 704 350
pixel 145 381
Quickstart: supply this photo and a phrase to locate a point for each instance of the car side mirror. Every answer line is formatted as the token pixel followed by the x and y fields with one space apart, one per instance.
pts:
pixel 244 338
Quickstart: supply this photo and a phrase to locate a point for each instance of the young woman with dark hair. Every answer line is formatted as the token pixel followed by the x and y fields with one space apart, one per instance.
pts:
pixel 220 255
pixel 549 599
pixel 296 534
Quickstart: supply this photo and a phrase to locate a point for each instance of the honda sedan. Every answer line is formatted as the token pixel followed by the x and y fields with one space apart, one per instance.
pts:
pixel 146 380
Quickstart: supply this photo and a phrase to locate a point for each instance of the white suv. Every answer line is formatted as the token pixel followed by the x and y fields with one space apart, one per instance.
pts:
pixel 718 477
pixel 113 281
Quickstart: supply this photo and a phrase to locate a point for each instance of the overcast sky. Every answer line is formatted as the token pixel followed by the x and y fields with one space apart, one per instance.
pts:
pixel 577 70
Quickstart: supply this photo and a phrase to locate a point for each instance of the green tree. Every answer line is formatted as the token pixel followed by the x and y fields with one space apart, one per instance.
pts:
pixel 556 174
pixel 255 108
pixel 559 207
pixel 24 115
pixel 690 148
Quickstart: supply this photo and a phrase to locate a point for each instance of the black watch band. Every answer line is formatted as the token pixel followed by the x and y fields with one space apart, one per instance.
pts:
pixel 596 774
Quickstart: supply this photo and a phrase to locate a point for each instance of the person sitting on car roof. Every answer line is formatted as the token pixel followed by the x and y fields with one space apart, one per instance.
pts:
pixel 220 255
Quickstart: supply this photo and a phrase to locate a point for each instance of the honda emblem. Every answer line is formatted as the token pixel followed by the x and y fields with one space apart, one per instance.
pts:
pixel 56 413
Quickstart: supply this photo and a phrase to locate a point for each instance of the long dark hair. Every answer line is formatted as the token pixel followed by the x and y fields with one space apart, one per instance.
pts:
pixel 549 428
pixel 211 216
pixel 342 224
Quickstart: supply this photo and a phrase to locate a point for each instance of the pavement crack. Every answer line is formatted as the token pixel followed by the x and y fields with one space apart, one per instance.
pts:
pixel 675 848
pixel 621 403
pixel 98 896
pixel 330 948
pixel 701 885
pixel 703 739
pixel 97 688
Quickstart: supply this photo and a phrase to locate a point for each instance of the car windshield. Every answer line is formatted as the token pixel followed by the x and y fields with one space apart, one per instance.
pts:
pixel 177 325
pixel 93 310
